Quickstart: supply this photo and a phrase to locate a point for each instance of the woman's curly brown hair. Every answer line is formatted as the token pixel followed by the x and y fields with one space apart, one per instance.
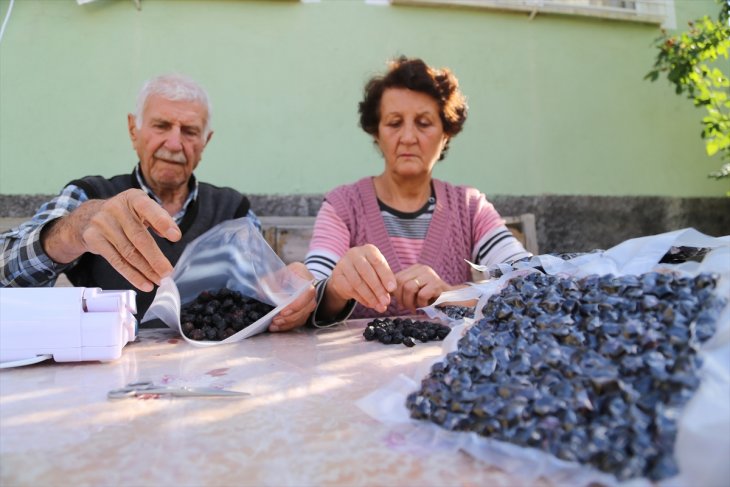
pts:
pixel 414 74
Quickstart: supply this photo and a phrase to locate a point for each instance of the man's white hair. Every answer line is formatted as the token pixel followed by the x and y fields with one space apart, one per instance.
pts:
pixel 175 87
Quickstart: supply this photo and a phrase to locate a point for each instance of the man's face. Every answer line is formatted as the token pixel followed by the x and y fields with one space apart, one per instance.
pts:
pixel 170 141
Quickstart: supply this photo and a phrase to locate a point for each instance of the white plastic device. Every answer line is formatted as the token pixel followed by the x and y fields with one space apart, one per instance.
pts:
pixel 71 324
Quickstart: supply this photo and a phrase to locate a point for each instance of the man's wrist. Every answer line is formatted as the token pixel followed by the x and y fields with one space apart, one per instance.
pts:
pixel 61 238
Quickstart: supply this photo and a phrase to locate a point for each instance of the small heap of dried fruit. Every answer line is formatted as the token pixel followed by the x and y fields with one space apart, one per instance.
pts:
pixel 593 370
pixel 216 315
pixel 404 330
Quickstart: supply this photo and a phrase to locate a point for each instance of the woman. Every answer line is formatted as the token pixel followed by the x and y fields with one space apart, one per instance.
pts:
pixel 394 242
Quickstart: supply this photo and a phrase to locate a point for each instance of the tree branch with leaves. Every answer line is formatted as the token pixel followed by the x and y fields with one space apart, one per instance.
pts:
pixel 690 61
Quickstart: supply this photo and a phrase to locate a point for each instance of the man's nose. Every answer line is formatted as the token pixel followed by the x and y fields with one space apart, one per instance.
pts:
pixel 173 142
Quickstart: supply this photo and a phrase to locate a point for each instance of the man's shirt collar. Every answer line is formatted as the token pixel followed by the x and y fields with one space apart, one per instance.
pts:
pixel 192 193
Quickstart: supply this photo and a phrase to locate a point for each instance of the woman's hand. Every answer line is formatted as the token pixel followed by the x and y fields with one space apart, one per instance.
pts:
pixel 364 275
pixel 419 286
pixel 297 312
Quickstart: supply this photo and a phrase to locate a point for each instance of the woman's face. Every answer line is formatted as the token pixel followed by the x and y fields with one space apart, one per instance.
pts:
pixel 410 133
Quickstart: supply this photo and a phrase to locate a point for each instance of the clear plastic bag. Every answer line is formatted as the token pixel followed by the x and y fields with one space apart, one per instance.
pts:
pixel 233 255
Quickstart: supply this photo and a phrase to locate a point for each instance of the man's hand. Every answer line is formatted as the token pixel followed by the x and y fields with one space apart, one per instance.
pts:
pixel 116 229
pixel 298 311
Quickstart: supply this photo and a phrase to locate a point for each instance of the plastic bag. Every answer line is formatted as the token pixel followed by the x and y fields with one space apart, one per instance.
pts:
pixel 703 425
pixel 234 255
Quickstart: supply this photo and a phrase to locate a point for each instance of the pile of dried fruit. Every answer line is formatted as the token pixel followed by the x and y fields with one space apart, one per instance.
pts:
pixel 216 315
pixel 595 370
pixel 404 330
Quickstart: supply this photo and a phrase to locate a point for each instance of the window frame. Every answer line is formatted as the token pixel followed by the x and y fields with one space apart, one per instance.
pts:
pixel 645 11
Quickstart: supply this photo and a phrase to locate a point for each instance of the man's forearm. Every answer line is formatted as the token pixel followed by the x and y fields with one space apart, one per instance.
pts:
pixel 62 239
pixel 24 261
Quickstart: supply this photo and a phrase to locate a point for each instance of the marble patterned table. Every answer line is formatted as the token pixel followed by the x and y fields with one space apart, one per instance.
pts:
pixel 299 427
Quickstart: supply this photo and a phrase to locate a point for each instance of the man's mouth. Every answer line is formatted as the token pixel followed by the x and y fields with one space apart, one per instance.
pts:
pixel 168 156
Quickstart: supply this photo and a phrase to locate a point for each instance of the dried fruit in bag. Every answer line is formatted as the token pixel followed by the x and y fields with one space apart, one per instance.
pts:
pixel 217 315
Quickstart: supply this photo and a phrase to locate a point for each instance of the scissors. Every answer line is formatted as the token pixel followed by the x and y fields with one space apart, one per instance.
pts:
pixel 136 389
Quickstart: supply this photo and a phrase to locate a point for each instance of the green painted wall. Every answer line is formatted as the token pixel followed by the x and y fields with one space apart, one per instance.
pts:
pixel 557 104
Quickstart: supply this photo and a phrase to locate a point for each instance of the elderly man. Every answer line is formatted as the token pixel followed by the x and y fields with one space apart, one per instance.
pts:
pixel 97 230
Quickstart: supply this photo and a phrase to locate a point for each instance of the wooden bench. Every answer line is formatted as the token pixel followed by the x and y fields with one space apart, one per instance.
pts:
pixel 289 235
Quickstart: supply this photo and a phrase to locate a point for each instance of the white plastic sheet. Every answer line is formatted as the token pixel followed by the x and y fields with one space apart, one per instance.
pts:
pixel 702 446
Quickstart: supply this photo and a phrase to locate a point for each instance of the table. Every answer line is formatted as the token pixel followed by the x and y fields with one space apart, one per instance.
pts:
pixel 299 427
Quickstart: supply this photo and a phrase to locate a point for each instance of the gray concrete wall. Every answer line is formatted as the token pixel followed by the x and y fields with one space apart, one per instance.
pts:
pixel 564 223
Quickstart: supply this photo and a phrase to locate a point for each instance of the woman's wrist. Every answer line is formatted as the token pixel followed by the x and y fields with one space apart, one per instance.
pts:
pixel 332 301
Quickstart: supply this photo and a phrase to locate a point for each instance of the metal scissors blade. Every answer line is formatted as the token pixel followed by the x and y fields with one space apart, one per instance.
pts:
pixel 135 389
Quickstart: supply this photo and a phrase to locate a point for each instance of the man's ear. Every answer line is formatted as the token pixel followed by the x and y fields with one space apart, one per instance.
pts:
pixel 210 136
pixel 132 126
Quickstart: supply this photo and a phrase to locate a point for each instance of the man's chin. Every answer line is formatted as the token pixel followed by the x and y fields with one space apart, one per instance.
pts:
pixel 169 179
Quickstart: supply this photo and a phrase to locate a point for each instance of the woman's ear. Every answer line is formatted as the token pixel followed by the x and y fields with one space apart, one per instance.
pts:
pixel 376 144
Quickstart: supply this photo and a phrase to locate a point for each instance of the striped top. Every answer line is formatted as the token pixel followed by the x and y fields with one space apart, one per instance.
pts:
pixel 494 243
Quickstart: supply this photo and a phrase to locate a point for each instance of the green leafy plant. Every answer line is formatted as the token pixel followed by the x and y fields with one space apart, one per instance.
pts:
pixel 690 61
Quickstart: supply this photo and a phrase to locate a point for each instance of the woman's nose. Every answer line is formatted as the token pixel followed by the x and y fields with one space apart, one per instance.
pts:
pixel 408 135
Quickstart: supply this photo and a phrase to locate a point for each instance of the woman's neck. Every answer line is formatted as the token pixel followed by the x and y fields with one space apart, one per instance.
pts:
pixel 407 195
